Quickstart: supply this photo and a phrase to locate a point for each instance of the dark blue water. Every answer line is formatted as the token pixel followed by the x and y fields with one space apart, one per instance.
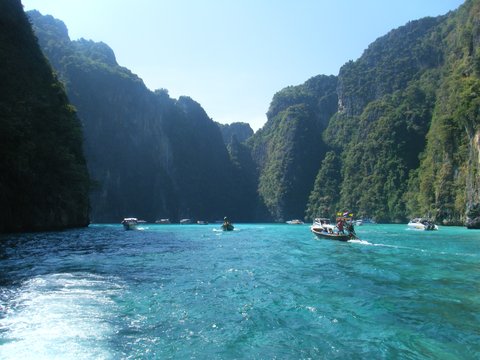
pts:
pixel 262 292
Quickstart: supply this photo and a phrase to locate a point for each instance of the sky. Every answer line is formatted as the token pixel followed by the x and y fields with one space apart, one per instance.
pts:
pixel 232 56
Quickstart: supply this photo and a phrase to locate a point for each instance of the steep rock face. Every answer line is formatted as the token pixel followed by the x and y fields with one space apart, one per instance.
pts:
pixel 288 149
pixel 125 146
pixel 151 156
pixel 44 181
pixel 388 64
pixel 470 15
pixel 200 166
pixel 448 175
pixel 473 217
pixel 406 126
pixel 241 131
pixel 473 184
pixel 399 125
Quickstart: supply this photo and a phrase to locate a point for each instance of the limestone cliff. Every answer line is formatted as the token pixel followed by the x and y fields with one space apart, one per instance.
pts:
pixel 150 156
pixel 44 181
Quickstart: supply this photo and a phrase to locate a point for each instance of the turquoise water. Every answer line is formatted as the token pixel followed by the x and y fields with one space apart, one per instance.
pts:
pixel 260 292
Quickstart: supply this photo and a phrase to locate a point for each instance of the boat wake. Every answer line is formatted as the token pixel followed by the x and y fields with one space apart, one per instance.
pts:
pixel 365 242
pixel 59 316
pixel 358 241
pixel 223 231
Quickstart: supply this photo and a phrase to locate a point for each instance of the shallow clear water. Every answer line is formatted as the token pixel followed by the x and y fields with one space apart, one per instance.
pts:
pixel 260 292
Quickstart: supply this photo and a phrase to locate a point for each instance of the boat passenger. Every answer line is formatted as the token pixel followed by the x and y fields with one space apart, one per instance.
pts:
pixel 340 226
pixel 226 222
pixel 227 225
pixel 350 228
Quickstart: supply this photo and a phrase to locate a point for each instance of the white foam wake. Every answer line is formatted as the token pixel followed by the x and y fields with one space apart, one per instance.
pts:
pixel 65 316
pixel 362 242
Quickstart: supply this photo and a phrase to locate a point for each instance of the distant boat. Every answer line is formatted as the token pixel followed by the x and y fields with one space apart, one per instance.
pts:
pixel 227 225
pixel 130 223
pixel 368 221
pixel 295 222
pixel 422 224
pixel 162 221
pixel 202 222
pixel 185 221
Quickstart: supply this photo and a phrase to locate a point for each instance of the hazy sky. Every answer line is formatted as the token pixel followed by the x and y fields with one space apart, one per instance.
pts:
pixel 232 56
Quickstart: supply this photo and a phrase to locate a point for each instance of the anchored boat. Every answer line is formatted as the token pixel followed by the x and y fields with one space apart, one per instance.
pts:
pixel 422 224
pixel 295 222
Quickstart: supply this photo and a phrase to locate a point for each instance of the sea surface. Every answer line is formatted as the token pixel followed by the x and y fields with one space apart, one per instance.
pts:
pixel 263 291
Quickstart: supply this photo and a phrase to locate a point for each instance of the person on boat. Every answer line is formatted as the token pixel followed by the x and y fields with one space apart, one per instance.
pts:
pixel 351 229
pixel 226 224
pixel 340 226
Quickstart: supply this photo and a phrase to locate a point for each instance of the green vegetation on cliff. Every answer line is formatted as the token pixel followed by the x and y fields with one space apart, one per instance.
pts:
pixel 448 178
pixel 401 141
pixel 394 135
pixel 44 182
pixel 407 123
pixel 288 149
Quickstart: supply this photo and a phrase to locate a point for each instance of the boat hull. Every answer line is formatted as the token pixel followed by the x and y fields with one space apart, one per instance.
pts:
pixel 130 226
pixel 320 233
pixel 422 227
pixel 228 227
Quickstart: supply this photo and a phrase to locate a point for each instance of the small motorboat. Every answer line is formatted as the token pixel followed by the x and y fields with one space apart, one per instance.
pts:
pixel 322 228
pixel 422 224
pixel 227 225
pixel 328 233
pixel 130 223
pixel 163 221
pixel 295 222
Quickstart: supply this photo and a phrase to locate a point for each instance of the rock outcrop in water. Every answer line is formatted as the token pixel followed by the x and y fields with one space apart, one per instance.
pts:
pixel 44 182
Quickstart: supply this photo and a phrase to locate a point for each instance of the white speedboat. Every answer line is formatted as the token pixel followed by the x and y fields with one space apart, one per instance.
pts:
pixel 130 223
pixel 321 232
pixel 162 221
pixel 295 222
pixel 322 228
pixel 422 224
pixel 323 223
